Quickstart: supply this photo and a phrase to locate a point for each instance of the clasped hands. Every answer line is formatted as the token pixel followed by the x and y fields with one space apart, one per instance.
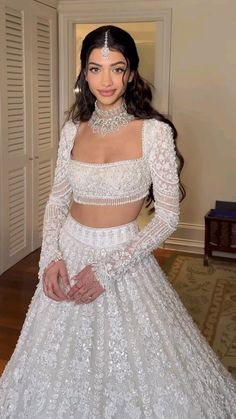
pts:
pixel 56 284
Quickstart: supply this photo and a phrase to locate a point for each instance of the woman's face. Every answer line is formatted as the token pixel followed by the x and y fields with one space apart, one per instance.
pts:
pixel 107 77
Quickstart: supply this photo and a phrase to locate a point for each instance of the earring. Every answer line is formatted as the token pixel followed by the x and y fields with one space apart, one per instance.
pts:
pixel 77 90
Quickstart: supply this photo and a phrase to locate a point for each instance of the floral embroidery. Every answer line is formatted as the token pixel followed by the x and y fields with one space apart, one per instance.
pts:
pixel 133 353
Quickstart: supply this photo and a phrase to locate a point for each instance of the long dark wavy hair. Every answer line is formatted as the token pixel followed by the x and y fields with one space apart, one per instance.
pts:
pixel 138 94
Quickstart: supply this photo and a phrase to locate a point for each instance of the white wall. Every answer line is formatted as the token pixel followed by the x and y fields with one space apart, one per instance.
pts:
pixel 202 104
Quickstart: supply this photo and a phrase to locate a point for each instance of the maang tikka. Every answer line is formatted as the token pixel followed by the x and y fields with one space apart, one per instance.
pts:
pixel 105 49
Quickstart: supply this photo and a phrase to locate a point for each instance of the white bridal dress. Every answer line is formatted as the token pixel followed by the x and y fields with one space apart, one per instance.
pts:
pixel 133 353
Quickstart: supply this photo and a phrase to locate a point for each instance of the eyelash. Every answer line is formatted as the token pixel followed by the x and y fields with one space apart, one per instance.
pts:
pixel 118 70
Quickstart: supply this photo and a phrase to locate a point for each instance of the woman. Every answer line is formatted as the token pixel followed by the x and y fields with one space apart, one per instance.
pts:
pixel 106 336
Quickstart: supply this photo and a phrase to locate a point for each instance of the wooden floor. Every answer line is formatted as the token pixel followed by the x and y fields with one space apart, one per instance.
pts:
pixel 17 286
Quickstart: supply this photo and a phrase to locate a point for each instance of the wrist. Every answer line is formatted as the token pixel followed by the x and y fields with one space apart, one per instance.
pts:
pixel 100 272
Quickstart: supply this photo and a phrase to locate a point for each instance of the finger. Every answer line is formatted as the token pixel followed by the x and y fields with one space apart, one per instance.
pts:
pixel 50 294
pixel 64 276
pixel 77 299
pixel 84 281
pixel 82 287
pixel 92 297
pixel 86 296
pixel 93 293
pixel 72 291
pixel 77 294
pixel 54 280
pixel 85 289
pixel 85 300
pixel 52 286
pixel 57 291
pixel 64 288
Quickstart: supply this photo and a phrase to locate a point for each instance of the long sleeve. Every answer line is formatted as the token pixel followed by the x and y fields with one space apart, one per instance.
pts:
pixel 163 169
pixel 58 203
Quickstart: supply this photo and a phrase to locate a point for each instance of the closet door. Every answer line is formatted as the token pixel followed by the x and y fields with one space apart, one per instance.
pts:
pixel 16 167
pixel 29 123
pixel 45 110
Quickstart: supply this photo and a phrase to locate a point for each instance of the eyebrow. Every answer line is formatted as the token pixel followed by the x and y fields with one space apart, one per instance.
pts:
pixel 112 65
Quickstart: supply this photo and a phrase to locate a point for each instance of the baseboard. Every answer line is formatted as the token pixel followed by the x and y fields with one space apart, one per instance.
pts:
pixel 187 238
pixel 184 245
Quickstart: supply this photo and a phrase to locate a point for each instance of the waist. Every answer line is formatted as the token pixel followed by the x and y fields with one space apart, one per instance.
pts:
pixel 106 215
pixel 100 236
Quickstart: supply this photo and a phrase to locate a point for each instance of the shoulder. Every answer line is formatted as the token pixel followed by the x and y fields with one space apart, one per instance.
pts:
pixel 67 136
pixel 68 133
pixel 156 134
pixel 157 128
pixel 69 129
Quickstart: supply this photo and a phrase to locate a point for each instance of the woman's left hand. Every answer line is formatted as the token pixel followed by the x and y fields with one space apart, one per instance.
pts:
pixel 87 287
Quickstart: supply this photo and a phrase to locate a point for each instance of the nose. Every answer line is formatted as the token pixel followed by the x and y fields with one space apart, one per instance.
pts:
pixel 106 78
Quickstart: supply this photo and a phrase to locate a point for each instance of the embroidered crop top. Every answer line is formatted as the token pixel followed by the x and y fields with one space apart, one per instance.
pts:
pixel 115 184
pixel 109 183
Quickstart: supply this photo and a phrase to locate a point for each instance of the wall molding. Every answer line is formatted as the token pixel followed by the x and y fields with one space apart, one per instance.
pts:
pixel 184 245
pixel 72 12
pixel 187 238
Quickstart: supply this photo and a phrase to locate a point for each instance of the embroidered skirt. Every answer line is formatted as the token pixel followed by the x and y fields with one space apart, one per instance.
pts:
pixel 134 353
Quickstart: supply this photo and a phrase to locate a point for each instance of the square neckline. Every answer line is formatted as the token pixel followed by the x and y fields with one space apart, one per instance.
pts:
pixel 114 163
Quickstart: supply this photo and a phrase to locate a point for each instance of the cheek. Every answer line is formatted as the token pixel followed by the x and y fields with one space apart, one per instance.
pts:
pixel 91 82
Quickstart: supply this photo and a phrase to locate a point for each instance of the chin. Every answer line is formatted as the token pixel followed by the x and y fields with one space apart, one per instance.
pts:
pixel 109 101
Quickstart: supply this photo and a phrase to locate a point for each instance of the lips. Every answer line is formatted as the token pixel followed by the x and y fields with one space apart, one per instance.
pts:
pixel 106 93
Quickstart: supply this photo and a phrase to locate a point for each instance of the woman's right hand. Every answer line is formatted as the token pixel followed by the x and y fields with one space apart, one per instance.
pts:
pixel 56 283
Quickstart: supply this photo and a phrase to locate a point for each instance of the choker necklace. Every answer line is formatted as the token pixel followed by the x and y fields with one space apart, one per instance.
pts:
pixel 106 122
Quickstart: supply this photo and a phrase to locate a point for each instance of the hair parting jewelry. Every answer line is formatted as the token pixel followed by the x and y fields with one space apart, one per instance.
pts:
pixel 105 49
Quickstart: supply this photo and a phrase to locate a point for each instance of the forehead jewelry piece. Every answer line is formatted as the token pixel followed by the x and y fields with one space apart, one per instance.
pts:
pixel 105 49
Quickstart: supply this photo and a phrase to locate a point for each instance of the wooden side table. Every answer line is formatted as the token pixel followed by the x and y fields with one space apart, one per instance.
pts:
pixel 220 234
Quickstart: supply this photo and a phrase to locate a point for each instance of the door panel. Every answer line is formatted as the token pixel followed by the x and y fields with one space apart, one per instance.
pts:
pixel 45 111
pixel 16 169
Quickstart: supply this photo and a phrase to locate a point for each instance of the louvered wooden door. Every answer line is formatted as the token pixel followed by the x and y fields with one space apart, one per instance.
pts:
pixel 16 179
pixel 28 112
pixel 45 111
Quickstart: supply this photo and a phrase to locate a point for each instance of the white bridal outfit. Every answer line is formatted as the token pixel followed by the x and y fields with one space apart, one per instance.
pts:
pixel 133 353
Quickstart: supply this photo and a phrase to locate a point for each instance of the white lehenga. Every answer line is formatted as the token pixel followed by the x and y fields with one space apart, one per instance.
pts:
pixel 134 353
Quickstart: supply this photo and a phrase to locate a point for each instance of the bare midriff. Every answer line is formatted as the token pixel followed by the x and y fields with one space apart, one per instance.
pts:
pixel 102 216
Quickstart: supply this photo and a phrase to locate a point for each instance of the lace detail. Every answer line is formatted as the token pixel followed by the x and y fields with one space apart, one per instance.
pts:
pixel 163 170
pixel 133 353
pixel 118 182
pixel 109 183
pixel 59 200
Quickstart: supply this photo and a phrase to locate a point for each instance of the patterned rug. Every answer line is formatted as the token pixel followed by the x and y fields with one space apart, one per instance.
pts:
pixel 209 294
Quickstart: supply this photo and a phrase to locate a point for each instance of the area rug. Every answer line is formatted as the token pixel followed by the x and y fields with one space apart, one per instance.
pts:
pixel 209 294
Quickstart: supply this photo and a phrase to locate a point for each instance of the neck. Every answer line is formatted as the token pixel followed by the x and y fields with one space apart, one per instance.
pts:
pixel 111 111
pixel 107 121
pixel 106 108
